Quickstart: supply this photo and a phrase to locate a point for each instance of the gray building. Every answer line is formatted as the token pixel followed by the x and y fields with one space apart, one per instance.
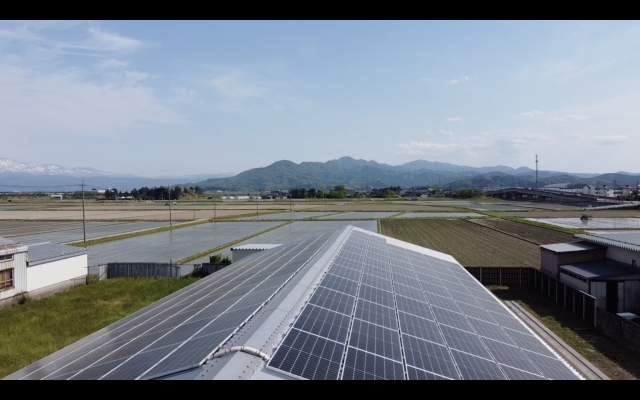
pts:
pixel 604 266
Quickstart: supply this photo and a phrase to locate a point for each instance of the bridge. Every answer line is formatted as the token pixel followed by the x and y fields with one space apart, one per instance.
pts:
pixel 556 197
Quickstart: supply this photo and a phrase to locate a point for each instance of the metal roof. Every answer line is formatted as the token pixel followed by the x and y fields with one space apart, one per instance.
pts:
pixel 256 247
pixel 48 252
pixel 571 247
pixel 597 269
pixel 628 241
pixel 7 243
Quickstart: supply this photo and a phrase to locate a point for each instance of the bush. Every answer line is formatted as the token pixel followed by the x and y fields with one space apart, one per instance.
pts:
pixel 218 259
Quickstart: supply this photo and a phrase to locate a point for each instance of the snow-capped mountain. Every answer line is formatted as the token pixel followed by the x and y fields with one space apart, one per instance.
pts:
pixel 9 165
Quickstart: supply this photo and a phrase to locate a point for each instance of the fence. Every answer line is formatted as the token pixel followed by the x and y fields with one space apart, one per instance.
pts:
pixel 580 303
pixel 139 270
pixel 202 270
pixel 619 329
pixel 503 276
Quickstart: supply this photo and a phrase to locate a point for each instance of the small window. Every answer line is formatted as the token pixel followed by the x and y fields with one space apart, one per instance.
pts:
pixel 8 257
pixel 6 279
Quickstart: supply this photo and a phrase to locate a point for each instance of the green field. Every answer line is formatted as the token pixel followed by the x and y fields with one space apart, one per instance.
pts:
pixel 37 329
pixel 524 231
pixel 469 243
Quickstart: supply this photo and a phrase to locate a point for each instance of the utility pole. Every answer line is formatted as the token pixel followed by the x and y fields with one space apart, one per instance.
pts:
pixel 194 206
pixel 257 210
pixel 84 217
pixel 214 208
pixel 170 216
pixel 536 172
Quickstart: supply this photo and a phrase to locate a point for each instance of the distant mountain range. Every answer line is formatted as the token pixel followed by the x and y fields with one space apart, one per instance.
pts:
pixel 355 174
pixel 362 175
pixel 17 176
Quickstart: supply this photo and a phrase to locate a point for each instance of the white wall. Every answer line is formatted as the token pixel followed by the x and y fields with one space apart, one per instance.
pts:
pixel 19 265
pixel 43 275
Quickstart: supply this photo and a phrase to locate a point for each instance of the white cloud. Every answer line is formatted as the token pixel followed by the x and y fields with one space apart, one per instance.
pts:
pixel 456 119
pixel 33 104
pixel 464 79
pixel 531 114
pixel 111 63
pixel 571 118
pixel 448 133
pixel 108 41
pixel 612 139
pixel 490 143
pixel 417 148
pixel 134 77
pixel 452 82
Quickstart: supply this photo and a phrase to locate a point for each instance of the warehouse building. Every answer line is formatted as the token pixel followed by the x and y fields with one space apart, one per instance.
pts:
pixel 341 306
pixel 604 266
pixel 38 271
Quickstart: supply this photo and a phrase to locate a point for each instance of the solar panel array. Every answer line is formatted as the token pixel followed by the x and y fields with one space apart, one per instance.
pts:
pixel 386 312
pixel 183 330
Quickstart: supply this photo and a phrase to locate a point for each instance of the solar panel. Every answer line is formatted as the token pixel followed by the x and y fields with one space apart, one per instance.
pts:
pixel 183 329
pixel 410 316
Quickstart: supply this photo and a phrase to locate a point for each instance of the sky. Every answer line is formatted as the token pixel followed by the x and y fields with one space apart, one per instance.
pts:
pixel 190 97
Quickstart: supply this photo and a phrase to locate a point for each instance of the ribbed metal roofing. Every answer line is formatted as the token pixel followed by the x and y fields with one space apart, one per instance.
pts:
pixel 7 243
pixel 628 241
pixel 47 252
pixel 571 247
pixel 256 247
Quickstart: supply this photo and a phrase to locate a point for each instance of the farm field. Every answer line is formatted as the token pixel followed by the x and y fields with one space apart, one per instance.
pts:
pixel 174 245
pixel 533 233
pixel 573 214
pixel 469 243
pixel 379 206
pixel 93 232
pixel 286 216
pixel 439 215
pixel 114 215
pixel 360 215
pixel 595 223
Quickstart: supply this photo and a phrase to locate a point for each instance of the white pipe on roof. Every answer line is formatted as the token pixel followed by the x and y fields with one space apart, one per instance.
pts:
pixel 242 349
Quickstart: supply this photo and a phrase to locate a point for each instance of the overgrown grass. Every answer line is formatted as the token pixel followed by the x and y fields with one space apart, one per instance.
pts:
pixel 613 359
pixel 39 328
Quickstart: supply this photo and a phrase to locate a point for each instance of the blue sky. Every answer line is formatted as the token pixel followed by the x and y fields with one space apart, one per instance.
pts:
pixel 176 98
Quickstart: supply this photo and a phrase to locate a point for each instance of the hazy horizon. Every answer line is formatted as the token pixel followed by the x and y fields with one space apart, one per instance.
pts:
pixel 176 98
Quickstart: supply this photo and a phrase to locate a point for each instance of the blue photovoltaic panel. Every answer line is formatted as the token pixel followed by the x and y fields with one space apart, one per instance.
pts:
pixel 182 330
pixel 413 316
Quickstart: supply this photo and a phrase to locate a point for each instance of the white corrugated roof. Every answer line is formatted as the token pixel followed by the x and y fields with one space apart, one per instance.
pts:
pixel 255 247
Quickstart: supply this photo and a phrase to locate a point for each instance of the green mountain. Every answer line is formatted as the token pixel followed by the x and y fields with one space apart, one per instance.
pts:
pixel 355 174
pixel 363 175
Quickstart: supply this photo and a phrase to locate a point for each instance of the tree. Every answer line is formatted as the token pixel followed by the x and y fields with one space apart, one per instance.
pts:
pixel 340 191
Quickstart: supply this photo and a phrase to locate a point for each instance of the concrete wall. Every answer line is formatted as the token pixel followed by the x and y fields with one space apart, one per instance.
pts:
pixel 19 266
pixel 56 272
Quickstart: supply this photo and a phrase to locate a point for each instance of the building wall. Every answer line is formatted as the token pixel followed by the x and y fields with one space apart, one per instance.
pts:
pixel 19 265
pixel 551 260
pixel 575 283
pixel 48 274
pixel 623 255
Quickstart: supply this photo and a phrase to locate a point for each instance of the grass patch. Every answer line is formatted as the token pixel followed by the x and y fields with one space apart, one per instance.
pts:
pixel 613 359
pixel 39 328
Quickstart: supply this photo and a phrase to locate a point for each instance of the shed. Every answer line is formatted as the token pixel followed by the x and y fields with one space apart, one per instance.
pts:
pixel 13 271
pixel 53 268
pixel 554 255
pixel 245 250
